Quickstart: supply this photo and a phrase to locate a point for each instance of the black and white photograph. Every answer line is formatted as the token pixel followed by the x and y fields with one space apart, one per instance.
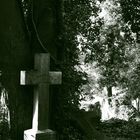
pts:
pixel 70 70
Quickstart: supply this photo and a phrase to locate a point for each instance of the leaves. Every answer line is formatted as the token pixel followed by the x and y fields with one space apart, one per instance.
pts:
pixel 121 129
pixel 131 13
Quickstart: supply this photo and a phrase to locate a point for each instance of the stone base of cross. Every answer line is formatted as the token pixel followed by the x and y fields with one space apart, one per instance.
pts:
pixel 41 78
pixel 47 134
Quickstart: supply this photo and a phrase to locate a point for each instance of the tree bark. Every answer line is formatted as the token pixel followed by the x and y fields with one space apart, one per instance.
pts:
pixel 15 55
pixel 109 91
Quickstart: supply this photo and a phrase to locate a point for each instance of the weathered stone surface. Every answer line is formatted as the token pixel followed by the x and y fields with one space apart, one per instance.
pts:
pixel 39 135
pixel 35 77
pixel 41 78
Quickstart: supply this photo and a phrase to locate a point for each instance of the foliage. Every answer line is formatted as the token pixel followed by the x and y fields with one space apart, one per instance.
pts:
pixel 131 13
pixel 133 84
pixel 109 46
pixel 75 14
pixel 113 48
pixel 75 17
pixel 121 129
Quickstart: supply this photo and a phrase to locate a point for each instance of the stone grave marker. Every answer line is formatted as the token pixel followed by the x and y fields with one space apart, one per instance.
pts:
pixel 40 78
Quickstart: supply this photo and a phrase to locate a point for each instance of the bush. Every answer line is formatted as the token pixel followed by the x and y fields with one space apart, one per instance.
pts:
pixel 121 129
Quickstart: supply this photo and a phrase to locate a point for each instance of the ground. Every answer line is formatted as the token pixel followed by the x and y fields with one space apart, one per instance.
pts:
pixel 116 129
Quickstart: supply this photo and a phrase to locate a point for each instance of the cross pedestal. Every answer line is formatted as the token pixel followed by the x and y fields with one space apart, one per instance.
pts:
pixel 41 78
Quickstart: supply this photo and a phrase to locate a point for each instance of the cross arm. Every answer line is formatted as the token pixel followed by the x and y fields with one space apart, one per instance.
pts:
pixel 34 77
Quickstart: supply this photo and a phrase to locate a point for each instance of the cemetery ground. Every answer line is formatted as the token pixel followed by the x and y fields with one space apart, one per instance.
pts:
pixel 112 129
pixel 116 129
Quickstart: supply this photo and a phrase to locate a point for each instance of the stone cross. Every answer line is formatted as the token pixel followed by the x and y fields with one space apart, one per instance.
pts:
pixel 41 78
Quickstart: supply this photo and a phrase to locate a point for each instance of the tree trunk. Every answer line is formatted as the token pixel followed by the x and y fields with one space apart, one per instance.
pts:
pixel 138 104
pixel 15 55
pixel 17 52
pixel 109 91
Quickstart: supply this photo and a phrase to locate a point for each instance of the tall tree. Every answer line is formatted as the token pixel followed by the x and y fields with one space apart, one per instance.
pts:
pixel 108 49
pixel 19 42
pixel 15 54
pixel 76 16
pixel 131 14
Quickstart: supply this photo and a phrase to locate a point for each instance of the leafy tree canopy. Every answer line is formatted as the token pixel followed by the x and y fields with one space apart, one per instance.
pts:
pixel 131 13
